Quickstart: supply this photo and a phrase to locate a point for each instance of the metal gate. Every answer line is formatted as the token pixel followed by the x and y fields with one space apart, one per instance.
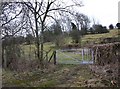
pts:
pixel 74 56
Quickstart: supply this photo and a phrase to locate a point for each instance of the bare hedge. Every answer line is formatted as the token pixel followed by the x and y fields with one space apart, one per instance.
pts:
pixel 106 53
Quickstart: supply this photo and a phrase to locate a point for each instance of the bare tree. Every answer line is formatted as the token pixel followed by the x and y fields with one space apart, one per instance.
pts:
pixel 83 22
pixel 12 22
pixel 57 33
pixel 0 40
pixel 44 11
pixel 34 15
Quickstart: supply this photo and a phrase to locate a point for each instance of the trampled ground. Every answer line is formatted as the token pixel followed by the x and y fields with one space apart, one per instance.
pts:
pixel 55 76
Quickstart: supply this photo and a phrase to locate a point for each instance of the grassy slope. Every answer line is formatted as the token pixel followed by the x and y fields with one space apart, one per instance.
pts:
pixel 68 40
pixel 96 37
pixel 92 38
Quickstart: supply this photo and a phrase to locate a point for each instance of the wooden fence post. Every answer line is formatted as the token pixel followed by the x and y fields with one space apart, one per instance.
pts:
pixel 92 53
pixel 82 54
pixel 55 57
pixel 87 54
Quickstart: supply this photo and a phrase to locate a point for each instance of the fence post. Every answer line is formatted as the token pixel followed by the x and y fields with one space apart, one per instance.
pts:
pixel 82 54
pixel 87 54
pixel 92 56
pixel 46 57
pixel 55 57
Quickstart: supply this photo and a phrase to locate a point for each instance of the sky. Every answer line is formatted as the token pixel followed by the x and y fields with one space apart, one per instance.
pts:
pixel 104 12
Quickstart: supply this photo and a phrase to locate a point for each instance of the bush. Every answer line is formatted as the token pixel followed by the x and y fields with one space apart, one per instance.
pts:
pixel 100 29
pixel 118 25
pixel 111 26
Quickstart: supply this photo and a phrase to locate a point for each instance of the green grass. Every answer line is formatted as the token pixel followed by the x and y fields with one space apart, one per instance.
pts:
pixel 97 38
pixel 70 57
pixel 48 46
pixel 29 50
pixel 65 57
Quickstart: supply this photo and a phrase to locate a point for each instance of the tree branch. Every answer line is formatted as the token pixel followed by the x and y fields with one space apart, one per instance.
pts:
pixel 12 18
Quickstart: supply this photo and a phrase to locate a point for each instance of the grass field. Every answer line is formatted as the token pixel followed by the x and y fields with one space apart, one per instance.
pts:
pixel 66 57
pixel 96 38
pixel 72 57
pixel 29 50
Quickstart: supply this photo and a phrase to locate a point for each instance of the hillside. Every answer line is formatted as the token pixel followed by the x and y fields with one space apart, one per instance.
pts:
pixel 97 38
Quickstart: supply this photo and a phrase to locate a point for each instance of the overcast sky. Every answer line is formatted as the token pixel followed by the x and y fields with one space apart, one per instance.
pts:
pixel 103 11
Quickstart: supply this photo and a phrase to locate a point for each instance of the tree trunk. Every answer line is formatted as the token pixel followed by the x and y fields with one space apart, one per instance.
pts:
pixel 80 41
pixel 5 60
pixel 2 56
pixel 42 42
pixel 37 38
